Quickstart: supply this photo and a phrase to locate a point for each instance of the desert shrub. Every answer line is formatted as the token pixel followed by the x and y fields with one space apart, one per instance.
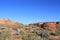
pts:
pixel 5 35
pixel 46 28
pixel 53 39
pixel 43 33
pixel 29 36
pixel 33 37
pixel 57 32
pixel 1 35
pixel 30 30
pixel 2 25
pixel 38 32
pixel 16 29
pixel 23 35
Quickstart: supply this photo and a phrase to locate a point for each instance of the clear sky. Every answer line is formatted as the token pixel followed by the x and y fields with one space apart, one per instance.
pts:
pixel 29 11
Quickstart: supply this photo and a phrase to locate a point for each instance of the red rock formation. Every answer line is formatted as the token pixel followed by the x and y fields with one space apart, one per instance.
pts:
pixel 9 22
pixel 50 25
pixel 4 21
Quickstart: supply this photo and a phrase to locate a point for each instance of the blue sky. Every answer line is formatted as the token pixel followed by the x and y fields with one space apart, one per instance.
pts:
pixel 30 11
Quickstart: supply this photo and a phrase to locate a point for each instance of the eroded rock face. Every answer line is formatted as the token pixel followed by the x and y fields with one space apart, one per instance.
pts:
pixel 36 24
pixel 50 25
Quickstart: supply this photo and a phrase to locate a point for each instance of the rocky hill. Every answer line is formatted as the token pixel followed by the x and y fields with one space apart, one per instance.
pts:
pixel 51 25
pixel 10 30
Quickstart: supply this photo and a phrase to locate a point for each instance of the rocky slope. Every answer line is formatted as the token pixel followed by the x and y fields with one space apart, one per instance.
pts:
pixel 10 30
pixel 51 25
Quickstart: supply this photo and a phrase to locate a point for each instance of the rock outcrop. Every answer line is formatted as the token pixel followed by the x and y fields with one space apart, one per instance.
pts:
pixel 51 25
pixel 19 31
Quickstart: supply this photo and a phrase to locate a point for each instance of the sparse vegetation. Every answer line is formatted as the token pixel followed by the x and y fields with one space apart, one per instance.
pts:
pixel 27 32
